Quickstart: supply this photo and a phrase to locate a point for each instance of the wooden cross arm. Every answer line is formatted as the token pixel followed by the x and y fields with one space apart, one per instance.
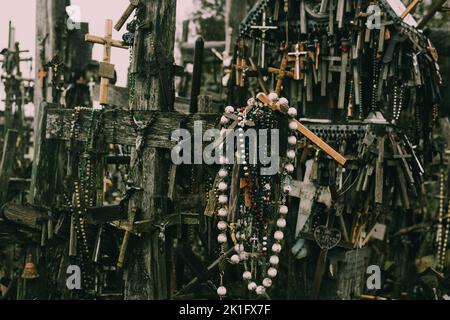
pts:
pixel 279 73
pixel 114 43
pixel 129 10
pixel 410 8
pixel 305 131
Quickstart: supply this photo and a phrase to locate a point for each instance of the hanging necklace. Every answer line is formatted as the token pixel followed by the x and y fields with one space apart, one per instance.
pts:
pixel 442 236
pixel 254 225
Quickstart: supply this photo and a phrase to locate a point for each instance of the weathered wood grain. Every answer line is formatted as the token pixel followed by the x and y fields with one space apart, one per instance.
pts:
pixel 119 127
pixel 7 161
pixel 23 215
pixel 146 274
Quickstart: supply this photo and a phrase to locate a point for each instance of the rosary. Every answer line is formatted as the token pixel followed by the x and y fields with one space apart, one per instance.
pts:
pixel 256 226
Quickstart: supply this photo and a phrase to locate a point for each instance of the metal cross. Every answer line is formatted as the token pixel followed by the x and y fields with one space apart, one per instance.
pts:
pixel 298 62
pixel 263 28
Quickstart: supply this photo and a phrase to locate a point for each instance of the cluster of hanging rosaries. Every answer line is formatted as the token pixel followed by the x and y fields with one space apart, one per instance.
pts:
pixel 335 69
pixel 257 242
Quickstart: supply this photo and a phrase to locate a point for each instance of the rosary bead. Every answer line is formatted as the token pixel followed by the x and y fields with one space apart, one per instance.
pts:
pixel 291 154
pixel 276 247
pixel 292 112
pixel 274 260
pixel 223 173
pixel 273 96
pixel 267 282
pixel 278 235
pixel 235 259
pixel 221 291
pixel 281 223
pixel 283 102
pixel 289 168
pixel 229 109
pixel 223 199
pixel 247 275
pixel 283 209
pixel 272 272
pixel 223 186
pixel 222 238
pixel 222 225
pixel 251 286
pixel 293 125
pixel 292 140
pixel 260 290
pixel 222 212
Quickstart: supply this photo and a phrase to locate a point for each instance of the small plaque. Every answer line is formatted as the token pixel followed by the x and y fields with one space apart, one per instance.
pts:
pixel 106 70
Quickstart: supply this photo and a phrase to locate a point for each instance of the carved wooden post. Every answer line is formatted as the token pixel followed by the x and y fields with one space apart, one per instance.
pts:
pixel 146 275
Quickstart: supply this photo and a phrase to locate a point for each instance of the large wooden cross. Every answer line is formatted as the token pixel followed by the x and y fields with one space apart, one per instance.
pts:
pixel 106 68
pixel 281 73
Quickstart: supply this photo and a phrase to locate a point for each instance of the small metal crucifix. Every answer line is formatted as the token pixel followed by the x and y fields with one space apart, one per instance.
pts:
pixel 263 28
pixel 299 62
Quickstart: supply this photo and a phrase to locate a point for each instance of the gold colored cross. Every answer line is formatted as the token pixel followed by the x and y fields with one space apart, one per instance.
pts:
pixel 106 68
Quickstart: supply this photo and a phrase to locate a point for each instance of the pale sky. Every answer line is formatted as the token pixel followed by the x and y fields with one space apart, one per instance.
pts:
pixel 22 13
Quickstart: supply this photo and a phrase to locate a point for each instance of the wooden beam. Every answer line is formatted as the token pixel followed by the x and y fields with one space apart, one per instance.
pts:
pixel 146 274
pixel 7 162
pixel 117 96
pixel 118 126
pixel 24 215
pixel 43 176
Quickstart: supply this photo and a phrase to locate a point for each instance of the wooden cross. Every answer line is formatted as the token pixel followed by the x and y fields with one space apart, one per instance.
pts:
pixel 305 131
pixel 126 238
pixel 299 62
pixel 128 11
pixel 263 28
pixel 241 63
pixel 106 68
pixel 42 74
pixel 281 73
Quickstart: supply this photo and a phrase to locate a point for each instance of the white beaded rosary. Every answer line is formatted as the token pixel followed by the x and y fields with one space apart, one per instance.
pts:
pixel 241 255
